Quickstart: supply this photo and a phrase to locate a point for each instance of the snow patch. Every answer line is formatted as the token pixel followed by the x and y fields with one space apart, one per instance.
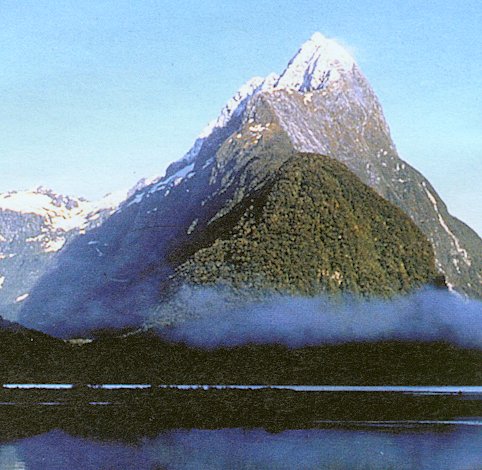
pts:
pixel 98 251
pixel 208 162
pixel 137 199
pixel 36 239
pixel 2 280
pixel 26 202
pixel 21 298
pixel 307 98
pixel 54 245
pixel 270 82
pixel 173 180
pixel 257 129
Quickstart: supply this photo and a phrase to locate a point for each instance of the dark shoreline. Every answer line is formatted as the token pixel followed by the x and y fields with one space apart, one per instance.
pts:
pixel 139 413
pixel 146 358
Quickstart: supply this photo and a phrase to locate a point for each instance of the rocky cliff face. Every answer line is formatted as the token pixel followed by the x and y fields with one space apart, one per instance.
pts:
pixel 321 104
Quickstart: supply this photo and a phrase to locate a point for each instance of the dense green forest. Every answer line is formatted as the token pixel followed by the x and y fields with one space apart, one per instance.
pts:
pixel 312 227
pixel 27 356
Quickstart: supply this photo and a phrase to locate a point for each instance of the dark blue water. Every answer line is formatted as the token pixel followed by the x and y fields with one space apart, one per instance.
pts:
pixel 458 447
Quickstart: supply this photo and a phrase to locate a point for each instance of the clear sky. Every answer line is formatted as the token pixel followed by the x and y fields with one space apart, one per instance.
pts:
pixel 96 94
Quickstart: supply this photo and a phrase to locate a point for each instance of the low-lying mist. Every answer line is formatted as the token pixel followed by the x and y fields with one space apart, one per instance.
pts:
pixel 212 317
pixel 220 318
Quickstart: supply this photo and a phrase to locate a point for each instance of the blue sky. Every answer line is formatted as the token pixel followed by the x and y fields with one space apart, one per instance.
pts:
pixel 97 94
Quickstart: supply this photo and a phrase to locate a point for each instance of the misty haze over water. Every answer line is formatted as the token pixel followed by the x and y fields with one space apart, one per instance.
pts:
pixel 219 319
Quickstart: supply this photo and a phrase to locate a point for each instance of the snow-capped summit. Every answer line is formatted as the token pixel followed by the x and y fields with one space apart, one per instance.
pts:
pixel 318 60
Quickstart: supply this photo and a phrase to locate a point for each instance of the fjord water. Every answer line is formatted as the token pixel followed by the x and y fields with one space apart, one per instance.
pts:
pixel 457 447
pixel 57 434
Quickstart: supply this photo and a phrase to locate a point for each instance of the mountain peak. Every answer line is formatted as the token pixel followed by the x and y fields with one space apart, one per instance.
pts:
pixel 318 60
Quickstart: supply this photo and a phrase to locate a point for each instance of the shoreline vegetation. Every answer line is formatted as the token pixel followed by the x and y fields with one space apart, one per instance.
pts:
pixel 31 357
pixel 131 414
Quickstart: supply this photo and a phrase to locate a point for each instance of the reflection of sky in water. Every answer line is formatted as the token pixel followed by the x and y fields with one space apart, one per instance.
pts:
pixel 457 448
pixel 9 458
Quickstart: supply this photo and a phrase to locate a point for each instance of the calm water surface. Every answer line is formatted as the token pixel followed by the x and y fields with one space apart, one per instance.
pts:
pixel 455 443
pixel 456 448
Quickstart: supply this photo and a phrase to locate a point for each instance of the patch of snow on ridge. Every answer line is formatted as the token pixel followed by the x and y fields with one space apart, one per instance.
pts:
pixel 136 199
pixel 270 82
pixel 27 202
pixel 234 106
pixel 109 201
pixel 455 240
pixel 174 179
pixel 56 212
pixel 21 298
pixel 54 245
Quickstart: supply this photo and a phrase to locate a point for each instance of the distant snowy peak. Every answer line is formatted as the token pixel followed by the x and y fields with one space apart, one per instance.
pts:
pixel 44 203
pixel 60 213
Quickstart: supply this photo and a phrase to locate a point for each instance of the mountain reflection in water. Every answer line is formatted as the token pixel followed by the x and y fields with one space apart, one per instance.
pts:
pixel 456 448
pixel 238 427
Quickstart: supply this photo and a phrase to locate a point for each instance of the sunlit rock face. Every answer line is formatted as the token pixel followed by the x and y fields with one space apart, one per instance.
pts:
pixel 321 103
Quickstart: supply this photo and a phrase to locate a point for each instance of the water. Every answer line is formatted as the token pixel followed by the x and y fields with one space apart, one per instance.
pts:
pixel 427 389
pixel 129 426
pixel 459 448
